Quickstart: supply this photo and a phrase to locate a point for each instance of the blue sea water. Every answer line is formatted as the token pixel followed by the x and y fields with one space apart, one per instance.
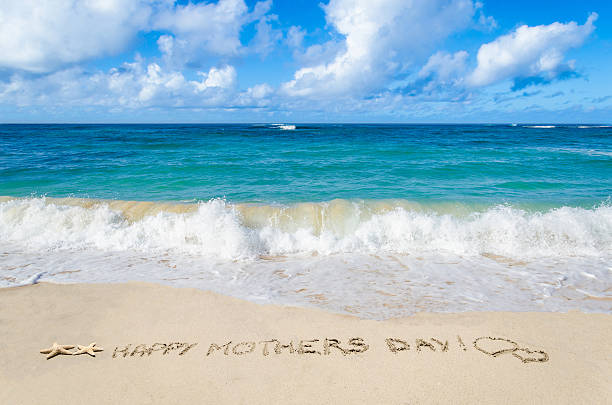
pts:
pixel 265 164
pixel 380 220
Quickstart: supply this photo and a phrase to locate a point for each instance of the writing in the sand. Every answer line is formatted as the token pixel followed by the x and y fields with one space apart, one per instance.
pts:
pixel 141 350
pixel 490 346
pixel 272 346
pixel 275 346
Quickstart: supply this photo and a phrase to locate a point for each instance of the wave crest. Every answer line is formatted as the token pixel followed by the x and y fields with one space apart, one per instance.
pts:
pixel 218 229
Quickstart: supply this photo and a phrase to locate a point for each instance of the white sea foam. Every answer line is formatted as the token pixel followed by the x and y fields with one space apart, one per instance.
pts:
pixel 540 126
pixel 375 259
pixel 284 127
pixel 579 151
pixel 240 232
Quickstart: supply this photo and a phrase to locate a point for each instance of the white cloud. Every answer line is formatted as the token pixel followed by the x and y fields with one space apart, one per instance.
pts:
pixel 485 23
pixel 295 36
pixel 381 38
pixel 319 54
pixel 165 43
pixel 259 91
pixel 210 27
pixel 223 78
pixel 66 87
pixel 133 85
pixel 257 96
pixel 199 30
pixel 44 36
pixel 529 51
pixel 40 36
pixel 137 84
pixel 443 72
pixel 444 66
pixel 266 37
pixel 377 49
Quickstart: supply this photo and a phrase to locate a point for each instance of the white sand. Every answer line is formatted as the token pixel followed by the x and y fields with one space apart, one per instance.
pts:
pixel 577 348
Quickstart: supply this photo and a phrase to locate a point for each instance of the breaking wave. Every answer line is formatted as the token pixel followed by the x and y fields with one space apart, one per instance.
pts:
pixel 225 231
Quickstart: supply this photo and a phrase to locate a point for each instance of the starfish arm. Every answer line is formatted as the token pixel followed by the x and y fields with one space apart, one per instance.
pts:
pixel 56 349
pixel 52 354
pixel 90 349
pixel 49 350
pixel 65 350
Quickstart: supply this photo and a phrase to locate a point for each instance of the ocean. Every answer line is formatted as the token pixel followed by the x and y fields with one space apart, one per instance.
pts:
pixel 378 221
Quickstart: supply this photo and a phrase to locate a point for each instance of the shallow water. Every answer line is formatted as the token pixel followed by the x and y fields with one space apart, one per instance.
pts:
pixel 378 221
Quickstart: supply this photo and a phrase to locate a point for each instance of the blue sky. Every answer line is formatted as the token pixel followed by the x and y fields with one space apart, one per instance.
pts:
pixel 304 61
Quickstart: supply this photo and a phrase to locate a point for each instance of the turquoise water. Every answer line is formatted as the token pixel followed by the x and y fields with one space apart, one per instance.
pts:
pixel 372 220
pixel 264 164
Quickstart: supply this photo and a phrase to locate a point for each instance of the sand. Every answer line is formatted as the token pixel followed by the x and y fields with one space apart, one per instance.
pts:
pixel 170 345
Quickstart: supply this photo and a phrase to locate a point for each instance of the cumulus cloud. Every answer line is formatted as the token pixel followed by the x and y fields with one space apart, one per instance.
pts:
pixel 40 36
pixel 266 36
pixel 259 91
pixel 380 56
pixel 295 36
pixel 133 85
pixel 485 22
pixel 441 78
pixel 137 84
pixel 199 30
pixel 212 27
pixel 445 67
pixel 381 38
pixel 44 36
pixel 535 54
pixel 67 87
pixel 223 78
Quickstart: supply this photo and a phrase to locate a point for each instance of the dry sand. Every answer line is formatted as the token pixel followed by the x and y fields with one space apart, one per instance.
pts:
pixel 148 334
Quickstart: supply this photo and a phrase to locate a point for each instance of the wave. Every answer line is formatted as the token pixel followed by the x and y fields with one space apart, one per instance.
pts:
pixel 565 126
pixel 283 127
pixel 221 230
pixel 540 126
pixel 579 151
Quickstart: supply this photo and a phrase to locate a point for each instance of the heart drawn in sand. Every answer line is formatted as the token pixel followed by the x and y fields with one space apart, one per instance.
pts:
pixel 496 346
pixel 527 356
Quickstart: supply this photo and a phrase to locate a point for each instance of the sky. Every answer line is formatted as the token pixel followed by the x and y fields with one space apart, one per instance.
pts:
pixel 292 61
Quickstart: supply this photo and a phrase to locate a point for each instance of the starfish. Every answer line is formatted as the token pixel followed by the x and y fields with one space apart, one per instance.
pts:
pixel 56 349
pixel 88 349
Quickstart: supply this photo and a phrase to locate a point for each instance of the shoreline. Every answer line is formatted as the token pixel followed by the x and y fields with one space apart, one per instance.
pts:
pixel 364 259
pixel 183 345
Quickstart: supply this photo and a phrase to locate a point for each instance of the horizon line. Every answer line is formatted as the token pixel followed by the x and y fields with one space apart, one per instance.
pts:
pixel 307 123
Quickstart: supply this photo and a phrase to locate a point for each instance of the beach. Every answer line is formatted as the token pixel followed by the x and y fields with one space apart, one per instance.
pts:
pixel 399 264
pixel 181 345
pixel 293 202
